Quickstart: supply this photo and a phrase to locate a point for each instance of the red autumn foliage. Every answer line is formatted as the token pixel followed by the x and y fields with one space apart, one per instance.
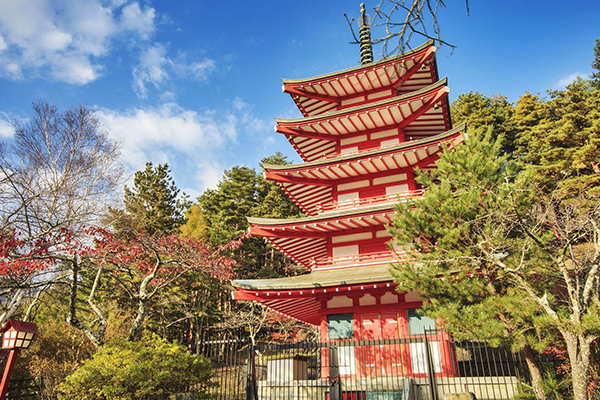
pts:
pixel 165 256
pixel 23 256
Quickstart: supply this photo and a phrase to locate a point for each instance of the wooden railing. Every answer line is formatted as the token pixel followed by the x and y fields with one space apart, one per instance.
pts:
pixel 355 203
pixel 381 257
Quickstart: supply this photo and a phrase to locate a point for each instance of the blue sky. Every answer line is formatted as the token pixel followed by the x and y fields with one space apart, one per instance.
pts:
pixel 197 83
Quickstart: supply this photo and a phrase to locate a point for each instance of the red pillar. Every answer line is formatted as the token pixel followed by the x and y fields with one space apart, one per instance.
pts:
pixel 8 369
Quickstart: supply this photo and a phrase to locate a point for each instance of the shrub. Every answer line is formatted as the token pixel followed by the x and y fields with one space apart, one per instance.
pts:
pixel 150 369
pixel 54 354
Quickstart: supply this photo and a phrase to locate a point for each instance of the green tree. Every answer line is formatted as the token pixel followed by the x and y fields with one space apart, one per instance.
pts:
pixel 483 112
pixel 272 201
pixel 225 208
pixel 596 65
pixel 152 205
pixel 560 138
pixel 503 259
pixel 445 229
pixel 243 193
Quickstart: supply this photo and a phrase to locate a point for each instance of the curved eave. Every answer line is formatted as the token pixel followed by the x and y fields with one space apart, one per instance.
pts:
pixel 386 78
pixel 311 184
pixel 283 223
pixel 412 116
pixel 316 280
pixel 298 296
pixel 372 153
pixel 363 107
pixel 305 239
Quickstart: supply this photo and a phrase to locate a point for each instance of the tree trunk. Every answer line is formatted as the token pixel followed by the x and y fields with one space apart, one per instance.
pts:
pixel 534 371
pixel 578 349
pixel 72 316
pixel 137 323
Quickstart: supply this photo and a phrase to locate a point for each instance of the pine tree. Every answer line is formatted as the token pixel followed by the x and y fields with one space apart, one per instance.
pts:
pixel 561 142
pixel 596 65
pixel 243 193
pixel 445 229
pixel 481 111
pixel 152 205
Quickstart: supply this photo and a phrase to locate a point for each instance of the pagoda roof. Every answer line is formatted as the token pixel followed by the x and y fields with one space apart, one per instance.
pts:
pixel 298 296
pixel 310 184
pixel 406 72
pixel 416 113
pixel 305 239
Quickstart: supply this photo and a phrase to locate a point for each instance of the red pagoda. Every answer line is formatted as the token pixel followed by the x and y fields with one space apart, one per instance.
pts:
pixel 364 131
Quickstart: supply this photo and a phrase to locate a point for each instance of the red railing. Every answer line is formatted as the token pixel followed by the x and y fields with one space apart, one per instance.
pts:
pixel 359 259
pixel 339 153
pixel 355 203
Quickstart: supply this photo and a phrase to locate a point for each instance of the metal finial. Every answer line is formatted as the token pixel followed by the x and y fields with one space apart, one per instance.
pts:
pixel 366 48
pixel 363 16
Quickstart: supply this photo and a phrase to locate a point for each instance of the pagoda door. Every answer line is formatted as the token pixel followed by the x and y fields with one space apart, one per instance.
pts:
pixel 381 358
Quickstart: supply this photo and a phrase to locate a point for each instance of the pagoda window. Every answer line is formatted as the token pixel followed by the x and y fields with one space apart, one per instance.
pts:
pixel 379 95
pixel 418 324
pixel 397 189
pixel 340 326
pixel 384 134
pixel 351 101
pixel 347 197
pixel 353 185
pixel 351 238
pixel 353 140
pixel 344 253
pixel 390 178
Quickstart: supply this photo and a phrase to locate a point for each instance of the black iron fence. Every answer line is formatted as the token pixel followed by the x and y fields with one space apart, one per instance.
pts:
pixel 416 368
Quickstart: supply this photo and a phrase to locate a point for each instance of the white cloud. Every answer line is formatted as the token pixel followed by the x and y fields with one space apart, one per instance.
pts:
pixel 139 20
pixel 66 39
pixel 155 68
pixel 197 145
pixel 164 133
pixel 6 129
pixel 197 70
pixel 151 69
pixel 168 96
pixel 563 82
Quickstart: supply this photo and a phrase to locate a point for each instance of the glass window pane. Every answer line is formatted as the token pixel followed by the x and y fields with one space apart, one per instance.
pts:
pixel 340 326
pixel 417 323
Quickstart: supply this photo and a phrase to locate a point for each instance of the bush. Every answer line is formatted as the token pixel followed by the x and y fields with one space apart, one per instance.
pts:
pixel 150 369
pixel 56 353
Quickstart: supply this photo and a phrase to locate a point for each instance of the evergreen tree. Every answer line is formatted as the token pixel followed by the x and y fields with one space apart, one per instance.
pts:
pixel 152 205
pixel 596 65
pixel 445 229
pixel 481 111
pixel 561 140
pixel 272 201
pixel 243 193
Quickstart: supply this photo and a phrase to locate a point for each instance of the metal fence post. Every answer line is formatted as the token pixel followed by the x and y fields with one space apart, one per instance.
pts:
pixel 335 387
pixel 430 369
pixel 251 392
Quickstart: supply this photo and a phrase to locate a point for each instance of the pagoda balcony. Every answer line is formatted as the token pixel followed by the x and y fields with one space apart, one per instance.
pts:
pixel 377 258
pixel 369 201
pixel 356 151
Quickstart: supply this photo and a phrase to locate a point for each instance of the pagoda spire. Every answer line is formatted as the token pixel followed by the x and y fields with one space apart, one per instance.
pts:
pixel 366 48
